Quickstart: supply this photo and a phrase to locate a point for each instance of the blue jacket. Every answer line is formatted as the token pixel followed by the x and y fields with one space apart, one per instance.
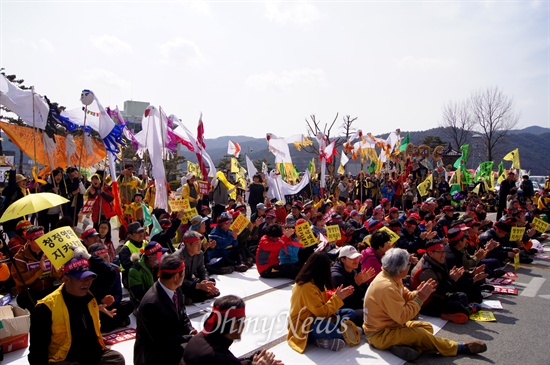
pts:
pixel 225 243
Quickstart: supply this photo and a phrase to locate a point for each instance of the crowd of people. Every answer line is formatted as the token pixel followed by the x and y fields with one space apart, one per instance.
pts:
pixel 398 254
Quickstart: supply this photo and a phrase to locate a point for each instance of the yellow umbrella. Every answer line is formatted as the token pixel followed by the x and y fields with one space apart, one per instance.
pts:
pixel 32 203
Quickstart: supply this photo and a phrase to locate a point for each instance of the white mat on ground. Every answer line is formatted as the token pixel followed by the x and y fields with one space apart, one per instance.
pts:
pixel 361 354
pixel 243 285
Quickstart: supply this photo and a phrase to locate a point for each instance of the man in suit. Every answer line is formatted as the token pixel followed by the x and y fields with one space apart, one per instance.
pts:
pixel 163 327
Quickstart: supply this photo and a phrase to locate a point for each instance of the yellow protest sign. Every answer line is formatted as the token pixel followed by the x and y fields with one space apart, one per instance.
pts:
pixel 180 204
pixel 516 262
pixel 240 223
pixel 393 236
pixel 305 234
pixel 333 233
pixel 483 316
pixel 56 245
pixel 517 233
pixel 540 225
pixel 189 213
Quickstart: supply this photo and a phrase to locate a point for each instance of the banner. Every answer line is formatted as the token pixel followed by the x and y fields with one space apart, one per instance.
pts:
pixel 180 204
pixel 517 233
pixel 204 187
pixel 239 224
pixel 333 233
pixel 305 235
pixel 56 245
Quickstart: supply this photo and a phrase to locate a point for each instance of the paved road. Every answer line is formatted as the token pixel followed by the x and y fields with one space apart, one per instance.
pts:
pixel 521 334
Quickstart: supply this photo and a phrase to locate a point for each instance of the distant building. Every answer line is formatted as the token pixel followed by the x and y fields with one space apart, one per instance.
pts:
pixel 133 112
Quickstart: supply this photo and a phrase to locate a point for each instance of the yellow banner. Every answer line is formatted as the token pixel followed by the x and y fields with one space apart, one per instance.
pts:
pixel 483 316
pixel 189 213
pixel 517 233
pixel 55 245
pixel 240 223
pixel 540 225
pixel 333 233
pixel 393 236
pixel 305 234
pixel 177 205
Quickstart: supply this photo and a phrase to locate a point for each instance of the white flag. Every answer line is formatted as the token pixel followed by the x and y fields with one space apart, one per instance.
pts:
pixel 233 148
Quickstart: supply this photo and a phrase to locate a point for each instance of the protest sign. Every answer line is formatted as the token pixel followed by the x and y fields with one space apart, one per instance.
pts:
pixel 240 223
pixel 483 316
pixel 517 233
pixel 540 225
pixel 56 245
pixel 394 237
pixel 203 187
pixel 180 204
pixel 333 233
pixel 305 234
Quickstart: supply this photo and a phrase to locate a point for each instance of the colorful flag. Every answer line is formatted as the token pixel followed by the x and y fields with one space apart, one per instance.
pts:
pixel 235 166
pixel 501 172
pixel 373 166
pixel 343 161
pixel 233 148
pixel 462 160
pixel 484 170
pixel 194 169
pixel 156 227
pixel 311 168
pixel 514 157
pixel 404 143
pixel 426 185
pixel 147 220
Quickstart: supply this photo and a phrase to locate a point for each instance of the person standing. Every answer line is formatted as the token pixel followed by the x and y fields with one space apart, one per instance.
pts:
pixel 163 327
pixel 256 193
pixel 190 190
pixel 505 187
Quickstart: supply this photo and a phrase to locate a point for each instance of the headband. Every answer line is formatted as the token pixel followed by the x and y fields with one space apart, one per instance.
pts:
pixel 172 271
pixel 458 237
pixel 435 247
pixel 33 235
pixel 191 239
pixel 217 315
pixel 101 252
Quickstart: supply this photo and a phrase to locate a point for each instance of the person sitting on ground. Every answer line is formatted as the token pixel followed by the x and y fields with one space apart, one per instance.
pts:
pixel 446 301
pixel 371 257
pixel 33 271
pixel 224 325
pixel 134 244
pixel 143 274
pixel 289 255
pixel 267 254
pixel 224 257
pixel 169 230
pixel 197 286
pixel 316 317
pixel 18 241
pixel 65 324
pixel 390 309
pixel 163 327
pixel 89 237
pixel 113 311
pixel 346 272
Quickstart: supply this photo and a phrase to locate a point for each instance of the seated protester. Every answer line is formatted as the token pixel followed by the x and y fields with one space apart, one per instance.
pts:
pixel 259 213
pixel 197 286
pixel 371 257
pixel 446 301
pixel 143 274
pixel 445 223
pixel 113 312
pixel 410 240
pixel 169 230
pixel 456 256
pixel 65 324
pixel 105 237
pixel 315 317
pixel 280 211
pixel 492 265
pixel 359 230
pixel 198 224
pixel 248 238
pixel 393 213
pixel 224 325
pixel 33 270
pixel 18 241
pixel 319 225
pixel 295 212
pixel 377 216
pixel 267 254
pixel 346 231
pixel 224 257
pixel 134 244
pixel 498 237
pixel 270 218
pixel 390 309
pixel 205 213
pixel 346 272
pixel 289 258
pixel 89 237
pixel 428 223
pixel 163 327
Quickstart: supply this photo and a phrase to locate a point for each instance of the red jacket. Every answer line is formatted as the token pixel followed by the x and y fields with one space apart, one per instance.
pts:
pixel 267 254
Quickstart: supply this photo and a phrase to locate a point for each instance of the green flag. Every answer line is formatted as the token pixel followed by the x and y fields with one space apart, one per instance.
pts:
pixel 311 168
pixel 156 227
pixel 372 167
pixel 404 143
pixel 501 172
pixel 461 162
pixel 484 170
pixel 147 221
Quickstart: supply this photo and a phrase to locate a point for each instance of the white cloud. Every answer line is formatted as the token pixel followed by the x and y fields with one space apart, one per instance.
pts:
pixel 182 50
pixel 44 45
pixel 201 7
pixel 410 62
pixel 286 79
pixel 110 44
pixel 299 12
pixel 99 75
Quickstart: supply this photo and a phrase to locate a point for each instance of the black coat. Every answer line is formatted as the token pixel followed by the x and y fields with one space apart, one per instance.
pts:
pixel 161 330
pixel 211 350
pixel 341 277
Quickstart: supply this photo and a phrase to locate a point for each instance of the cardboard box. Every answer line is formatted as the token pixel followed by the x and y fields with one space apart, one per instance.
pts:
pixel 14 321
pixel 13 343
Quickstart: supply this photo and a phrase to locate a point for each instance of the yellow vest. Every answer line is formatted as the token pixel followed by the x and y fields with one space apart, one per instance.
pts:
pixel 61 327
pixel 133 249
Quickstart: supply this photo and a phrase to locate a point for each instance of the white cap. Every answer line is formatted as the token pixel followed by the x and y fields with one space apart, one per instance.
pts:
pixel 349 252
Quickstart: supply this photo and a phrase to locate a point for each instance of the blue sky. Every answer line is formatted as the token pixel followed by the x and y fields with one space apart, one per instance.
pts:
pixel 263 67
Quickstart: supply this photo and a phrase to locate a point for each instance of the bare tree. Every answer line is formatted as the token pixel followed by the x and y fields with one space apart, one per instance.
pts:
pixel 457 122
pixel 494 116
pixel 314 127
pixel 347 126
